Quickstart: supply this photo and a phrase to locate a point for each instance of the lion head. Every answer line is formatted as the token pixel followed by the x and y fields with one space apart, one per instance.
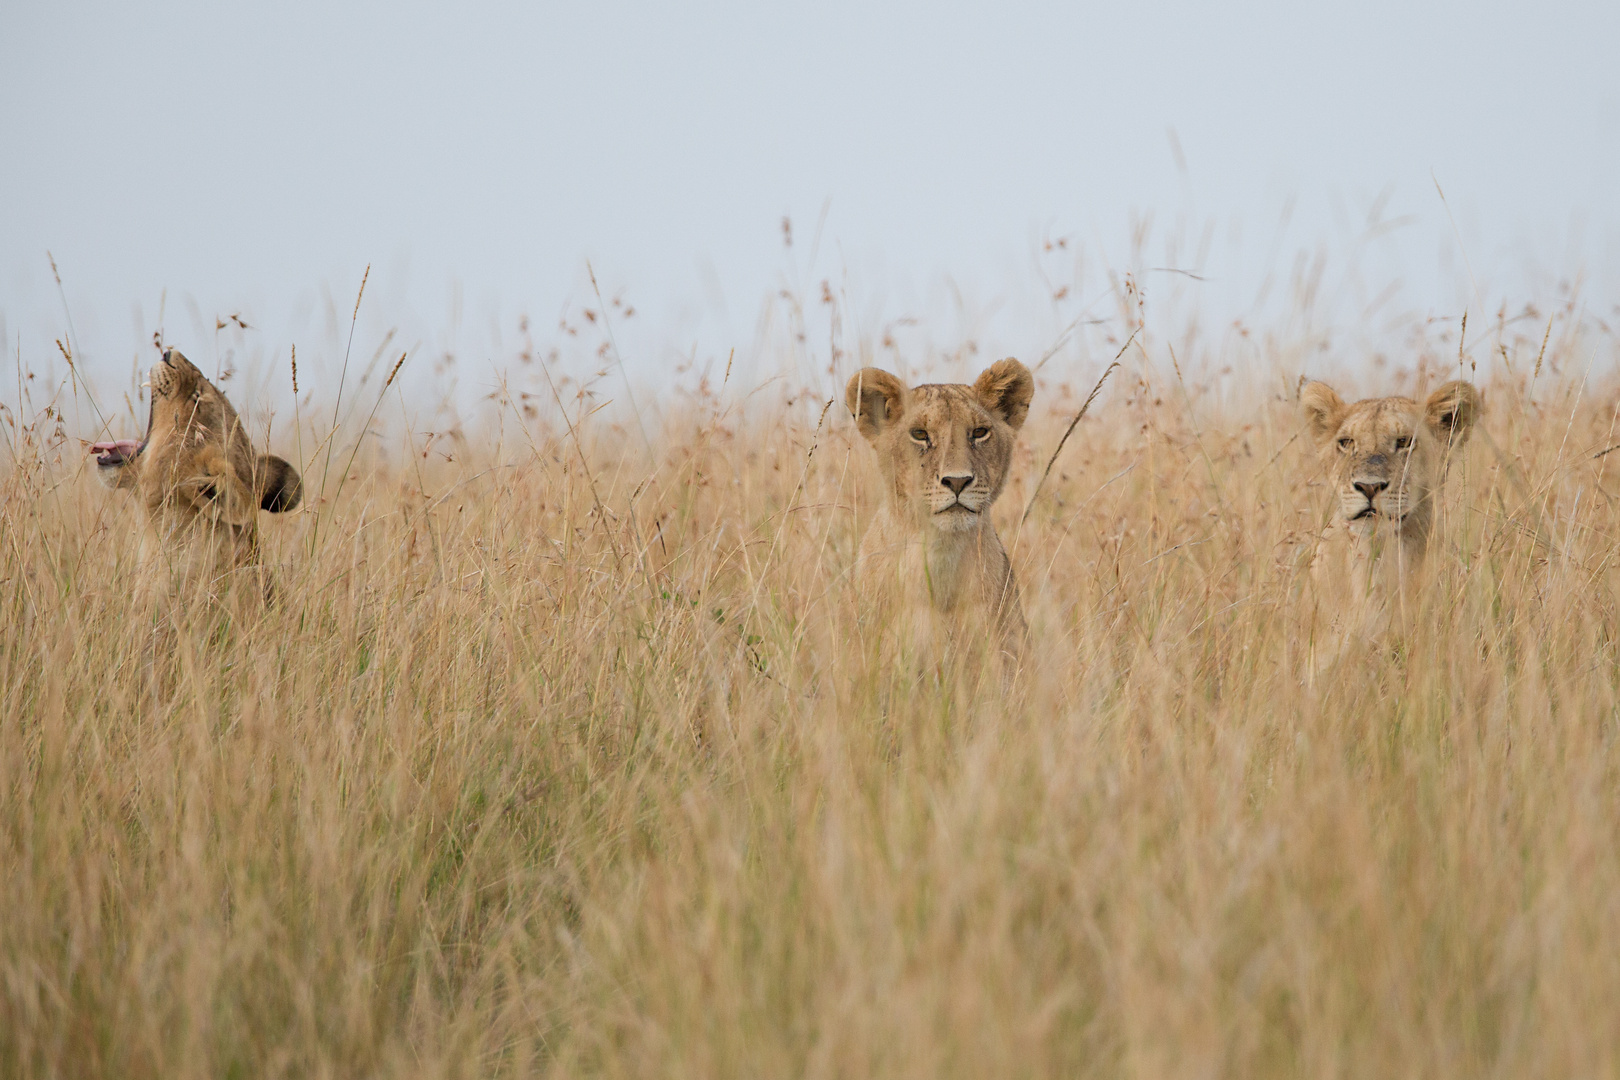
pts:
pixel 943 448
pixel 196 473
pixel 1389 455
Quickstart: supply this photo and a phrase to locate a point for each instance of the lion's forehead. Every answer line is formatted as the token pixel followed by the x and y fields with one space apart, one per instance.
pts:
pixel 1379 418
pixel 942 404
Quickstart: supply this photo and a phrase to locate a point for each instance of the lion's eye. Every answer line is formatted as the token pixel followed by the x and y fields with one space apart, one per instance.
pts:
pixel 1347 443
pixel 919 435
pixel 980 434
pixel 1402 442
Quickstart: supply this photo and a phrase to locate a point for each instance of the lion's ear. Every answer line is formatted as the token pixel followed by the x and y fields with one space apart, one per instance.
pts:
pixel 1324 410
pixel 1452 410
pixel 1005 388
pixel 277 483
pixel 874 398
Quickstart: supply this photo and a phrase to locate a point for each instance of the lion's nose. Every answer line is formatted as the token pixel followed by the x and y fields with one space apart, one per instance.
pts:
pixel 1371 488
pixel 958 483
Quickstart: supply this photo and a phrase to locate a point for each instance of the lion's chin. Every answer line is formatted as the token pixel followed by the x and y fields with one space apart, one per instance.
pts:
pixel 1370 520
pixel 955 518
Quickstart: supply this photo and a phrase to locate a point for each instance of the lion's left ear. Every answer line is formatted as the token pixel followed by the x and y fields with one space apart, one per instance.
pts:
pixel 1005 388
pixel 1452 410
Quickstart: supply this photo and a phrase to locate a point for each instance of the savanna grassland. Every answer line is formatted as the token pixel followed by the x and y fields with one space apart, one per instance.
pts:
pixel 570 749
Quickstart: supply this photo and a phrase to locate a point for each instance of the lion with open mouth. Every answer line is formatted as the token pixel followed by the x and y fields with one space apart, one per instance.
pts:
pixel 199 483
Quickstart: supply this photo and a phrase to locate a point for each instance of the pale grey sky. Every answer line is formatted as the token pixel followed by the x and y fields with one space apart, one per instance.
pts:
pixel 248 157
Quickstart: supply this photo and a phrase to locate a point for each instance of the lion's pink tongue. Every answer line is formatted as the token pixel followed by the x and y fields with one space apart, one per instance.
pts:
pixel 116 452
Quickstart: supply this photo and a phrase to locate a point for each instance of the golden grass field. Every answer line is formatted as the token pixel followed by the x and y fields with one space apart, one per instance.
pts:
pixel 566 754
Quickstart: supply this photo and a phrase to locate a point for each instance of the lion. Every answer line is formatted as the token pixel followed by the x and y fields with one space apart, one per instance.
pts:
pixel 1387 458
pixel 198 482
pixel 944 450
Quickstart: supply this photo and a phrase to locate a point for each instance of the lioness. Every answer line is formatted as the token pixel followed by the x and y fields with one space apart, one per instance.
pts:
pixel 1387 457
pixel 944 450
pixel 198 480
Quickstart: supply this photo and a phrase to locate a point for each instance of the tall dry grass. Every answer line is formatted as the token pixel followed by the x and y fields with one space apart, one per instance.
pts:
pixel 580 758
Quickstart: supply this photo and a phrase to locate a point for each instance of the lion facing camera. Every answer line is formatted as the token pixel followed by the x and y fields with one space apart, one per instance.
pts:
pixel 944 452
pixel 1386 459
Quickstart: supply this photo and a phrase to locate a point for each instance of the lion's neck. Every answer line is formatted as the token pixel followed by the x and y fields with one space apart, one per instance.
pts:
pixel 1395 554
pixel 949 566
pixel 959 559
pixel 1367 575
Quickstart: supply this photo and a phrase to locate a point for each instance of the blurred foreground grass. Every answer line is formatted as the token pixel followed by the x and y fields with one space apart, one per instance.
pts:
pixel 540 770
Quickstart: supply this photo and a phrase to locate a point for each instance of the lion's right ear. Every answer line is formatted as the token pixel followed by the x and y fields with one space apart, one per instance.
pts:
pixel 1324 410
pixel 277 484
pixel 875 398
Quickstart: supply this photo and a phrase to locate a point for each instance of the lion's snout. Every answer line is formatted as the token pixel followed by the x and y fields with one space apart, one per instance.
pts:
pixel 1373 492
pixel 957 499
pixel 956 493
pixel 1370 488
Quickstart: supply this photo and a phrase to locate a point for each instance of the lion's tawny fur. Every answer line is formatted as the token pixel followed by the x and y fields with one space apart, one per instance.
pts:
pixel 1386 458
pixel 944 451
pixel 198 481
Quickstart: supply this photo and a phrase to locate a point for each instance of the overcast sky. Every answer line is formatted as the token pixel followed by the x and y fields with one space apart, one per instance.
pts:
pixel 255 157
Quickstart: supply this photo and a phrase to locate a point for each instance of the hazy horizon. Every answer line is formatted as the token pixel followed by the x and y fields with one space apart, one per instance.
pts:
pixel 204 163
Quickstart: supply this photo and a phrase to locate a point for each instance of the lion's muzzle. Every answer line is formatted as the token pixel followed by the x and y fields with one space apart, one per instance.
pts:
pixel 1361 500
